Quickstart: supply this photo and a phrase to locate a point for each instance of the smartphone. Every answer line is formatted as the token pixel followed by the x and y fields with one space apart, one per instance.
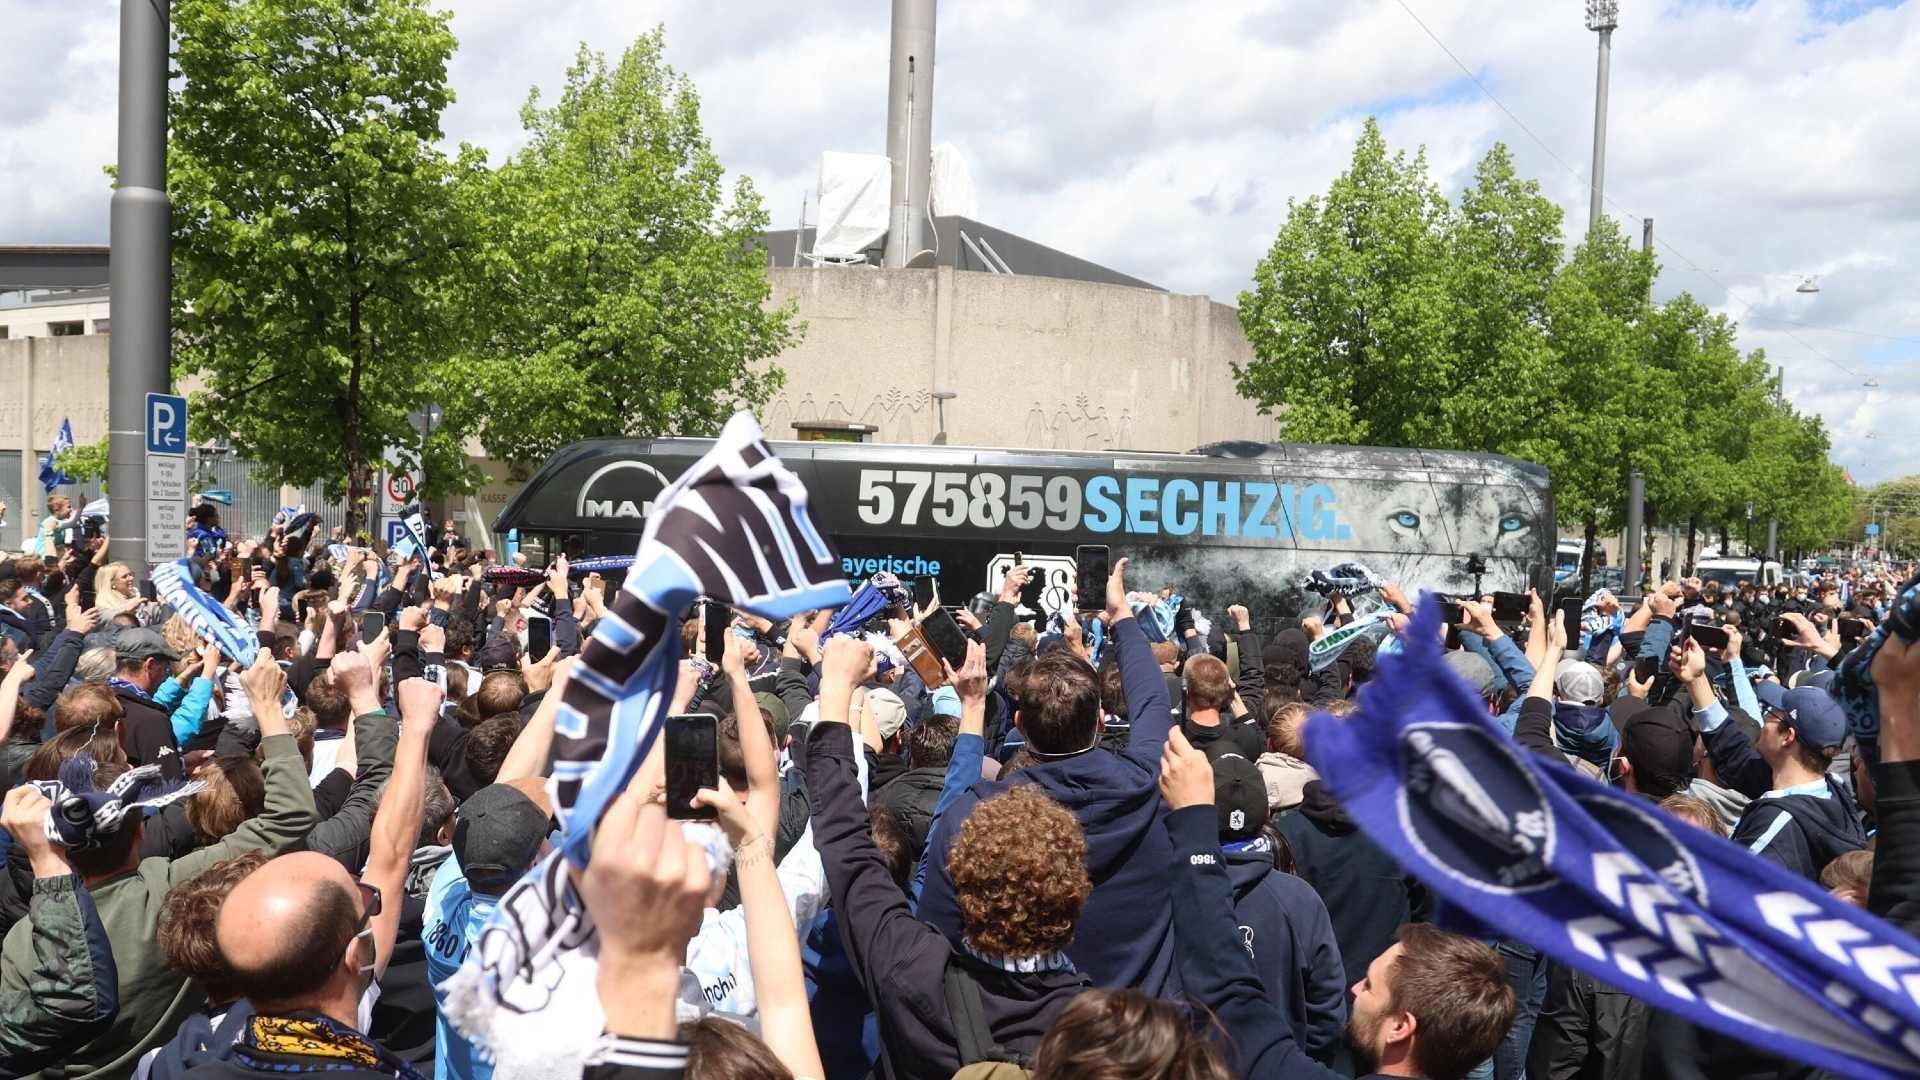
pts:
pixel 1854 629
pixel 371 623
pixel 693 763
pixel 945 636
pixel 539 637
pixel 1455 614
pixel 1708 635
pixel 1568 611
pixel 1509 605
pixel 1019 559
pixel 924 591
pixel 1645 668
pixel 713 635
pixel 1093 564
pixel 1784 629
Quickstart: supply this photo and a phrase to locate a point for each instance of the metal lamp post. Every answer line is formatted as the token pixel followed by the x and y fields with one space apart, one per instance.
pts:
pixel 139 272
pixel 1602 17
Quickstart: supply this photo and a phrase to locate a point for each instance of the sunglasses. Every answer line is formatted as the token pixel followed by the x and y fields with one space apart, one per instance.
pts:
pixel 369 907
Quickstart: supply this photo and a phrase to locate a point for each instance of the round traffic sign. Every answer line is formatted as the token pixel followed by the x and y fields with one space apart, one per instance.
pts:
pixel 399 486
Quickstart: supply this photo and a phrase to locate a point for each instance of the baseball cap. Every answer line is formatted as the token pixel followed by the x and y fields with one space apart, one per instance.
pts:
pixel 1815 717
pixel 889 712
pixel 1819 680
pixel 1656 742
pixel 770 702
pixel 500 654
pixel 1580 682
pixel 497 833
pixel 1239 793
pixel 1473 668
pixel 142 643
pixel 946 702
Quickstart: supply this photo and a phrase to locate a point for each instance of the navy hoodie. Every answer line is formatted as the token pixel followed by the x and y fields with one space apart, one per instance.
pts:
pixel 1800 828
pixel 1125 935
pixel 1284 926
pixel 1367 894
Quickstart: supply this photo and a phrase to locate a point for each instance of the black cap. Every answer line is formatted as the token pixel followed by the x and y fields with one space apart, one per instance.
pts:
pixel 1656 742
pixel 1239 793
pixel 497 833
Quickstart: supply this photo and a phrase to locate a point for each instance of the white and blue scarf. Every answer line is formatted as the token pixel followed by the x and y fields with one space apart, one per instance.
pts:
pixel 735 527
pixel 209 618
pixel 1605 882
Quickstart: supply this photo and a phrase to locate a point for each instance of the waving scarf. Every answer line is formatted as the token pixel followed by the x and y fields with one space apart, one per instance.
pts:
pixel 1329 646
pixel 882 592
pixel 209 618
pixel 82 817
pixel 1343 579
pixel 1604 882
pixel 734 527
pixel 599 564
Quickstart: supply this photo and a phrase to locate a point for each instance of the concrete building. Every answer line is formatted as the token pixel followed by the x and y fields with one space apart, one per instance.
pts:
pixel 1062 354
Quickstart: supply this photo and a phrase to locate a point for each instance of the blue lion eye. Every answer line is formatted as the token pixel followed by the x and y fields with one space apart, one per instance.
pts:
pixel 1406 519
pixel 1512 523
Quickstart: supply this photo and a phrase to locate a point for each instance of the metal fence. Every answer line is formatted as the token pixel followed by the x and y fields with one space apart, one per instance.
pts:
pixel 254 502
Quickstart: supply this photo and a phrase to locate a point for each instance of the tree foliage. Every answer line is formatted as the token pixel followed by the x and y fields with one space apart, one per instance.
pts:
pixel 315 229
pixel 1384 314
pixel 84 462
pixel 635 288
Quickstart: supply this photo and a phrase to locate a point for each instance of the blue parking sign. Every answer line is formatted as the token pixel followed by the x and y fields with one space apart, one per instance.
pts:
pixel 166 424
pixel 396 532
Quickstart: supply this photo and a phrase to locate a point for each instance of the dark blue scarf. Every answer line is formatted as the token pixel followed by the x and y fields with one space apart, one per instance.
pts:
pixel 1607 883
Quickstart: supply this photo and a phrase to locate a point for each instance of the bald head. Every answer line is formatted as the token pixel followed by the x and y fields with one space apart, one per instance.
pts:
pixel 285 928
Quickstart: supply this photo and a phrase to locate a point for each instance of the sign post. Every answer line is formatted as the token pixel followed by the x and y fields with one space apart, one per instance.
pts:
pixel 166 476
pixel 397 490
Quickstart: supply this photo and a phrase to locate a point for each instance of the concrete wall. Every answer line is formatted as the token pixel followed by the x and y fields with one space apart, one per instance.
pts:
pixel 1036 362
pixel 30 320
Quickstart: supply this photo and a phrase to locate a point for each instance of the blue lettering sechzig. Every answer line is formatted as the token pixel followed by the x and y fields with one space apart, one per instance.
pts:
pixel 1134 505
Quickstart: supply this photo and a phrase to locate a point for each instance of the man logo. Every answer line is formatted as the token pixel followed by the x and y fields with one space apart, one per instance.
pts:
pixel 1471 809
pixel 1237 820
pixel 623 498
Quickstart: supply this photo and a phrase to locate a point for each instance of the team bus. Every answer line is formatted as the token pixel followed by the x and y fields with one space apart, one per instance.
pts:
pixel 1227 523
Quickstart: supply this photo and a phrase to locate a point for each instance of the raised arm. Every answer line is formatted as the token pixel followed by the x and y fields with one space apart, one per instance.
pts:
pixel 528 755
pixel 396 826
pixel 756 744
pixel 1148 712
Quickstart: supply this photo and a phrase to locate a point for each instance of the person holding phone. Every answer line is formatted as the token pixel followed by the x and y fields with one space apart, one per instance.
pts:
pixel 1019 867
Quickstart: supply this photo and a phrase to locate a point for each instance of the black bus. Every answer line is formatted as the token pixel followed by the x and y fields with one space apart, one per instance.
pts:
pixel 1227 523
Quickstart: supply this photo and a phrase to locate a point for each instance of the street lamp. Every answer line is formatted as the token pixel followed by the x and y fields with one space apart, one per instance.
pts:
pixel 1602 17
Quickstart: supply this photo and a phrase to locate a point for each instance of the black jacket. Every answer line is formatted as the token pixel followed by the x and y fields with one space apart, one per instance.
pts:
pixel 1587 1030
pixel 1248 740
pixel 910 798
pixel 900 961
pixel 1367 895
pixel 145 729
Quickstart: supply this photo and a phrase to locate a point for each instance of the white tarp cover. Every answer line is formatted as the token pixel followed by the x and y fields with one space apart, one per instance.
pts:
pixel 953 191
pixel 854 193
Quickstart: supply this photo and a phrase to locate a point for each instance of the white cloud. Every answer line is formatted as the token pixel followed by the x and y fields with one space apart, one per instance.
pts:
pixel 1770 139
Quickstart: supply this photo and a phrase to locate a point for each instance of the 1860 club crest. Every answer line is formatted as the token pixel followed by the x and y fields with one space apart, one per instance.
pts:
pixel 1472 810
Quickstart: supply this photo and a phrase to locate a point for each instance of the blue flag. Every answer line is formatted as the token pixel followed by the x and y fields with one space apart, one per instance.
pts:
pixel 51 477
pixel 1605 882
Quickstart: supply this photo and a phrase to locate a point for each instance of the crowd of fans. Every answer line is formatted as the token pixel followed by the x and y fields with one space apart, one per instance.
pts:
pixel 1098 850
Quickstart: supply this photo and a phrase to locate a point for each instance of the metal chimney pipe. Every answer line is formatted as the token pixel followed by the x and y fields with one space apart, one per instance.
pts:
pixel 910 128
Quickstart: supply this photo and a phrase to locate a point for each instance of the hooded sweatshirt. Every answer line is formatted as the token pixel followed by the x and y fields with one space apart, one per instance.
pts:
pixel 1801 827
pixel 1366 893
pixel 1125 934
pixel 1287 778
pixel 1284 926
pixel 1585 732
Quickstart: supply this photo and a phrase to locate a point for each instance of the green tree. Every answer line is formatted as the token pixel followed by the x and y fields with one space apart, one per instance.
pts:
pixel 317 229
pixel 83 461
pixel 637 291
pixel 1349 314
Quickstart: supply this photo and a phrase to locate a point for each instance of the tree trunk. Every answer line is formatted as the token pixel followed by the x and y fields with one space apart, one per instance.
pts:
pixel 1586 558
pixel 1693 526
pixel 1724 544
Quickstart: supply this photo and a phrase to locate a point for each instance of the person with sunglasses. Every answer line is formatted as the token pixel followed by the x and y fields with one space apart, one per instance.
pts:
pixel 304 940
pixel 1799 818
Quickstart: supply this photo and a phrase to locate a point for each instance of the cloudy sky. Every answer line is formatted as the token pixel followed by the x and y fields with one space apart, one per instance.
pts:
pixel 1769 139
